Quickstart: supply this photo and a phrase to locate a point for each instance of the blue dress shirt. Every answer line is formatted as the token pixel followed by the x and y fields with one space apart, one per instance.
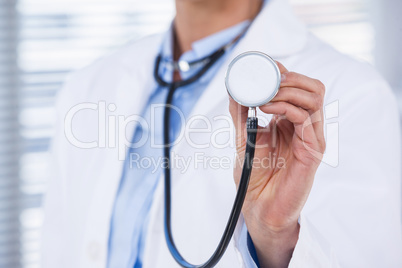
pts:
pixel 141 169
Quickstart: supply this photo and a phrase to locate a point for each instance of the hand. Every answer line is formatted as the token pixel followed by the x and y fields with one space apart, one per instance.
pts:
pixel 288 152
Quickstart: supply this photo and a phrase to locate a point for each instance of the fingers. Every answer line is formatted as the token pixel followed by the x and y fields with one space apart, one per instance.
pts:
pixel 299 117
pixel 291 112
pixel 300 90
pixel 291 79
pixel 306 93
pixel 307 100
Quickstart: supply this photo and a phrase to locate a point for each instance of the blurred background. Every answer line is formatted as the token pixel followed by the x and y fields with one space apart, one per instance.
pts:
pixel 41 41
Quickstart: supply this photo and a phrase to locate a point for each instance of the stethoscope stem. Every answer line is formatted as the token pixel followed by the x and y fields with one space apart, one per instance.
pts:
pixel 252 112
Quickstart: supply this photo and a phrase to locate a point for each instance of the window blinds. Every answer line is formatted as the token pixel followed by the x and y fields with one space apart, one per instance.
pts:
pixel 40 42
pixel 9 137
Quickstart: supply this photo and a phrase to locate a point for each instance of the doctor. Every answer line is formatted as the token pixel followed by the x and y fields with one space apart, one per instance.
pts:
pixel 104 206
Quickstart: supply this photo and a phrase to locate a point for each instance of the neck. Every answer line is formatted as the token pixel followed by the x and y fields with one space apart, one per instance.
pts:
pixel 196 19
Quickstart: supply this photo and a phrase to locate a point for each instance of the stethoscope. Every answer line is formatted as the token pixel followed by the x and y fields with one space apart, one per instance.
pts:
pixel 252 79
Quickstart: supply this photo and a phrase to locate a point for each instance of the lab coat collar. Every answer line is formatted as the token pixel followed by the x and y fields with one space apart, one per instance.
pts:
pixel 201 48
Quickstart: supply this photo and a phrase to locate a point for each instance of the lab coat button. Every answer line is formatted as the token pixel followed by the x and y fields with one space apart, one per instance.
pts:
pixel 93 250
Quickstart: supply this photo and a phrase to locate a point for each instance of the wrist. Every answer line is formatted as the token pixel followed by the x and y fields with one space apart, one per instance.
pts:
pixel 274 247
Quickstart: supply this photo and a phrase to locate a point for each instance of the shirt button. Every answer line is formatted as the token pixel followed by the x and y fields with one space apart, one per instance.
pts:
pixel 93 250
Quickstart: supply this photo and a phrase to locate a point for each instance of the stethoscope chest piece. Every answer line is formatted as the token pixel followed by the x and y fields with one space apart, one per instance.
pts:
pixel 252 79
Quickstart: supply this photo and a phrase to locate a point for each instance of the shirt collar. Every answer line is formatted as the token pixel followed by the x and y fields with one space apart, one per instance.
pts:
pixel 204 46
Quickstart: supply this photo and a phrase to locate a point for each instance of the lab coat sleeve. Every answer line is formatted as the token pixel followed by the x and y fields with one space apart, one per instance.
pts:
pixel 312 250
pixel 242 245
pixel 352 217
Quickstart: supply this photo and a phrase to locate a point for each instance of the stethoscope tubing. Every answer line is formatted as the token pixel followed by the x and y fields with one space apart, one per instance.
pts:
pixel 252 124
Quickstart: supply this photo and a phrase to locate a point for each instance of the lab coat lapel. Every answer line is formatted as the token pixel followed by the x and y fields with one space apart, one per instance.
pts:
pixel 131 94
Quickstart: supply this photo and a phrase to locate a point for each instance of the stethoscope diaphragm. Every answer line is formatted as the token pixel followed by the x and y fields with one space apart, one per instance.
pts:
pixel 252 79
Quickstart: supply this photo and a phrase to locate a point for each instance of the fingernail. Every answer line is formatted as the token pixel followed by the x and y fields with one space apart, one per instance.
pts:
pixel 283 78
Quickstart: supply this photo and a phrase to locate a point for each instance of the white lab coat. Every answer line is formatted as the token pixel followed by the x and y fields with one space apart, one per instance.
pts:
pixel 352 217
